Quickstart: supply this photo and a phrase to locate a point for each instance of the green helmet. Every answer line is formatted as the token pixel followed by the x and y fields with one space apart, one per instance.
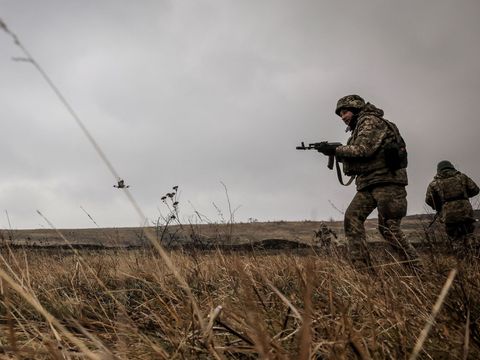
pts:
pixel 444 164
pixel 349 102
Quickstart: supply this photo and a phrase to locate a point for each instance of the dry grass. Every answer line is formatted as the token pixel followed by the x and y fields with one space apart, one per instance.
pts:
pixel 128 304
pixel 135 304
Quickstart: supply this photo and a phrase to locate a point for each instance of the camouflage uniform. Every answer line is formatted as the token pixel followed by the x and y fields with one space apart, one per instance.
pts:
pixel 324 235
pixel 448 194
pixel 378 186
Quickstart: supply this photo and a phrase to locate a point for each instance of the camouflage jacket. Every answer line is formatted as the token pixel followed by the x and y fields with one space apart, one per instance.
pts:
pixel 448 194
pixel 364 153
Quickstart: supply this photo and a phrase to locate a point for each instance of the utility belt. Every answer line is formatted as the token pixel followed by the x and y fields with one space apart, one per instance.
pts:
pixel 359 167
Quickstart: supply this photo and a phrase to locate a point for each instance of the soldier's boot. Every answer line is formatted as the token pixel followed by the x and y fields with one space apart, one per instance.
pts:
pixel 475 245
pixel 359 255
pixel 404 248
pixel 459 241
pixel 411 255
pixel 470 241
pixel 469 250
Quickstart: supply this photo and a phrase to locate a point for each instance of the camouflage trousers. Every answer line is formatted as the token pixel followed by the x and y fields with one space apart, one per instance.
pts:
pixel 462 238
pixel 391 203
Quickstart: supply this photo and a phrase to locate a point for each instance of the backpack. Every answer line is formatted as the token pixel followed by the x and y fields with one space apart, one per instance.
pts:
pixel 392 155
pixel 396 156
pixel 453 188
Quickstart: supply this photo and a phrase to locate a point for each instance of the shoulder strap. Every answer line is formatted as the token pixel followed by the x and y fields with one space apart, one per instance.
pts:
pixel 439 189
pixel 339 174
pixel 395 130
pixel 464 184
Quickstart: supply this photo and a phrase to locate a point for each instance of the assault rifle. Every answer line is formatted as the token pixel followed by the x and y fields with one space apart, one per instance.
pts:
pixel 328 149
pixel 324 147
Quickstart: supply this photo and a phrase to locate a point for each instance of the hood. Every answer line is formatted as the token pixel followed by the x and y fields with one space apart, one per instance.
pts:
pixel 370 109
pixel 446 173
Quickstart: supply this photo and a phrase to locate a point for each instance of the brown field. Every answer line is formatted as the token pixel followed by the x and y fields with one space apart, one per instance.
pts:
pixel 305 303
pixel 238 233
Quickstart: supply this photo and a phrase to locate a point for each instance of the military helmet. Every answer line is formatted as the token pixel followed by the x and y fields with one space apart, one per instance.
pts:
pixel 444 164
pixel 349 102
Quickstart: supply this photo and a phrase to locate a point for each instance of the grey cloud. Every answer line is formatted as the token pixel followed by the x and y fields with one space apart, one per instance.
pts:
pixel 193 93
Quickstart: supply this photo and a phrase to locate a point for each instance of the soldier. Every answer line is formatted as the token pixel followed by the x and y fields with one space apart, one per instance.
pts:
pixel 324 235
pixel 448 194
pixel 375 153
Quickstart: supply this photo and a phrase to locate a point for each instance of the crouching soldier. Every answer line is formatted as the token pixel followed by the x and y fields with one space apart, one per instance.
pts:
pixel 324 235
pixel 449 194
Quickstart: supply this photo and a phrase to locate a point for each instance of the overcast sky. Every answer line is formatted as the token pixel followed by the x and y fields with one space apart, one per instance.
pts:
pixel 199 92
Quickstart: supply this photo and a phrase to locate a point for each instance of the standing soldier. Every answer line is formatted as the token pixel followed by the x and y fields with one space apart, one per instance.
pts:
pixel 376 154
pixel 448 194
